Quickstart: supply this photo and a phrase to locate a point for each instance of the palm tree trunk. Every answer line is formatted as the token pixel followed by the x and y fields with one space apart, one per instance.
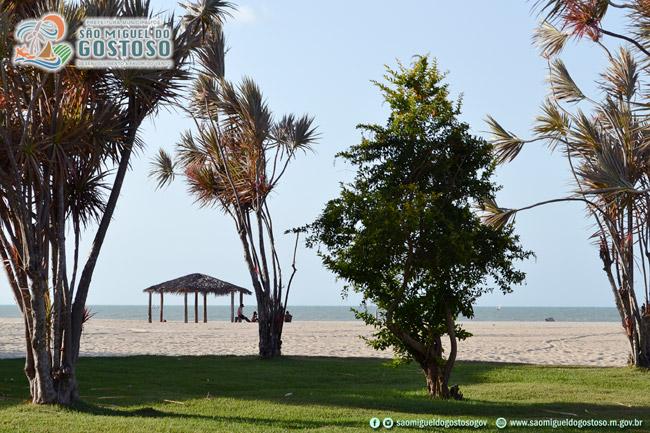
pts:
pixel 47 385
pixel 41 385
pixel 269 328
pixel 270 334
pixel 85 279
pixel 635 324
pixel 644 340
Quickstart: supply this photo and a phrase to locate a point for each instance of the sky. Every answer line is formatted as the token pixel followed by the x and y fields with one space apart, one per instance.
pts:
pixel 319 58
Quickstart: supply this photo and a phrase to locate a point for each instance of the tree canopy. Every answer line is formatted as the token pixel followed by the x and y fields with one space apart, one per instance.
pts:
pixel 406 233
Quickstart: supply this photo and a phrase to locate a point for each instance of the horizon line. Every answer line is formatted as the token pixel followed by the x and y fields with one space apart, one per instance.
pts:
pixel 351 306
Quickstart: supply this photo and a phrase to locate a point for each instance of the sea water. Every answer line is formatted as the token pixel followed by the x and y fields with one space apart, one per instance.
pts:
pixel 342 313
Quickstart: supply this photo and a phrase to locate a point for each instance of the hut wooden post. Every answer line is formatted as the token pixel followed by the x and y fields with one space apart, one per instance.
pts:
pixel 149 307
pixel 162 306
pixel 196 307
pixel 185 299
pixel 205 307
pixel 241 297
pixel 232 307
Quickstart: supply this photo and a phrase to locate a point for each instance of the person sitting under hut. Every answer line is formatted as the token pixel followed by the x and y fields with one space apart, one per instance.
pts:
pixel 288 317
pixel 240 314
pixel 254 318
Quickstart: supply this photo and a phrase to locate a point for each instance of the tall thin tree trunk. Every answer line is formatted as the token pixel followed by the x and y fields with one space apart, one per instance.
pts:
pixel 270 334
pixel 42 385
pixel 79 305
pixel 30 370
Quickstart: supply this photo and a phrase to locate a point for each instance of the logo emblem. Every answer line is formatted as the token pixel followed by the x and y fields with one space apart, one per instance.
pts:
pixel 41 43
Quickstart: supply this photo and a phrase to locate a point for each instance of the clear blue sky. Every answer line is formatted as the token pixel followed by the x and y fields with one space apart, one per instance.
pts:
pixel 318 57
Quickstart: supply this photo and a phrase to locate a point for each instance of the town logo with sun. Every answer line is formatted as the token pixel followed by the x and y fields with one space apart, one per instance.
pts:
pixel 41 43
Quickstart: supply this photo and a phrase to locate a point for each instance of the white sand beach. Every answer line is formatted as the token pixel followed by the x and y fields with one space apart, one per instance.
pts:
pixel 554 343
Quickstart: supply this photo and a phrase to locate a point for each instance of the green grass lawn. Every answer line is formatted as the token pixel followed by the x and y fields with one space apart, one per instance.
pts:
pixel 244 394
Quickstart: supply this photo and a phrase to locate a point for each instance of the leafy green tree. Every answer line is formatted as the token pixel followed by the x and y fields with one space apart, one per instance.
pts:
pixel 406 233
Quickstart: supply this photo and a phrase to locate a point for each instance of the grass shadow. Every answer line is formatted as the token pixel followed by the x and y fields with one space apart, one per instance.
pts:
pixel 149 387
pixel 150 412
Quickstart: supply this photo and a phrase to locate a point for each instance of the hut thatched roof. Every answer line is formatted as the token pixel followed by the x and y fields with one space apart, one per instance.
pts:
pixel 197 283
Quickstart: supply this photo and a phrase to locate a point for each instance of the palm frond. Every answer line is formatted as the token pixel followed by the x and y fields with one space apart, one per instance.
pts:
pixel 608 172
pixel 507 145
pixel 550 9
pixel 85 191
pixel 188 150
pixel 163 169
pixel 205 16
pixel 495 216
pixel 211 56
pixel 622 77
pixel 295 133
pixel 563 86
pixel 552 122
pixel 549 39
pixel 204 101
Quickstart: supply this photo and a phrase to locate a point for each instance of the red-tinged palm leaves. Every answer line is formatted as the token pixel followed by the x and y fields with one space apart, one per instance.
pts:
pixel 238 155
pixel 579 18
pixel 234 160
pixel 66 142
pixel 606 146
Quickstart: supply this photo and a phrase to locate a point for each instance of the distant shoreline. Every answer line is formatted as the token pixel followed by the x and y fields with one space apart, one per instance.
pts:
pixel 344 313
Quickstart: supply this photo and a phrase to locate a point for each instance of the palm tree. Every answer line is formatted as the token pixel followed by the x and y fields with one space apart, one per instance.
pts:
pixel 66 141
pixel 606 149
pixel 233 161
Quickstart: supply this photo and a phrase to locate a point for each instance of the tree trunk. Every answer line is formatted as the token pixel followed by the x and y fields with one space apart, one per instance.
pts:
pixel 41 385
pixel 637 330
pixel 642 358
pixel 270 342
pixel 270 315
pixel 61 389
pixel 437 381
pixel 637 333
pixel 270 329
pixel 437 373
pixel 48 383
pixel 85 280
pixel 49 390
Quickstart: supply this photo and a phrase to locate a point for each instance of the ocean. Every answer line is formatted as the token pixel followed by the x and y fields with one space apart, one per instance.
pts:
pixel 341 313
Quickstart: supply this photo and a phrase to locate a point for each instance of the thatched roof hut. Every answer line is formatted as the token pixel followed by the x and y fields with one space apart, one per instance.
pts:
pixel 197 283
